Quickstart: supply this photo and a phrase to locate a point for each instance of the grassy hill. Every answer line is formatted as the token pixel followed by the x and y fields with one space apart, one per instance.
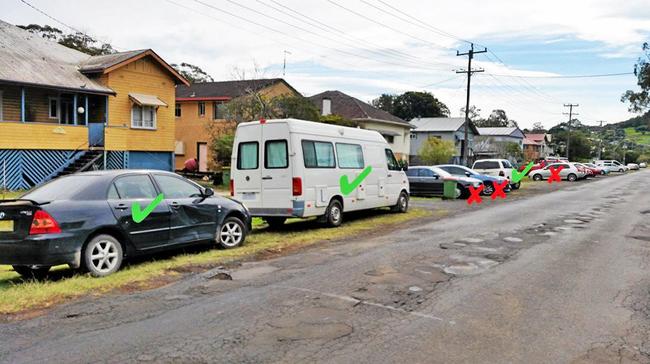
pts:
pixel 636 136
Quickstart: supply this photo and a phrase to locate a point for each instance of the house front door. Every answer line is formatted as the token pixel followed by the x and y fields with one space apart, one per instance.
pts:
pixel 202 155
pixel 96 134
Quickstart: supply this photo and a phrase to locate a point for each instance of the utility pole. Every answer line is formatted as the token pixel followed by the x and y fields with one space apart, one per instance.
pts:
pixel 284 63
pixel 470 55
pixel 600 141
pixel 568 135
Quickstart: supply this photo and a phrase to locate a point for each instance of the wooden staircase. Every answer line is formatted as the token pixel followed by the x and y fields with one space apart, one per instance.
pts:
pixel 83 163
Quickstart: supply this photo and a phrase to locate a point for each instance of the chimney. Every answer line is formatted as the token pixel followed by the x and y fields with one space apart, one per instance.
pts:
pixel 327 107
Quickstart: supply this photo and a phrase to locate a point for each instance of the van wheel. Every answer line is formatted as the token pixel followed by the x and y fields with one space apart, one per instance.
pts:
pixel 334 214
pixel 275 223
pixel 571 177
pixel 102 256
pixel 537 177
pixel 402 203
pixel 29 273
pixel 516 186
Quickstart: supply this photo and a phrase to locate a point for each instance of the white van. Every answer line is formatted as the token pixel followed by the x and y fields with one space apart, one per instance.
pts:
pixel 294 168
pixel 612 165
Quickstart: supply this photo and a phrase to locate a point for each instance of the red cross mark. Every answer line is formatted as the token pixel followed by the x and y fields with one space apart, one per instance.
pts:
pixel 555 174
pixel 498 189
pixel 475 195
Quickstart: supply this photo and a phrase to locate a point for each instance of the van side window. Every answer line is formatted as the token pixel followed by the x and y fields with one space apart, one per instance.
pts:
pixel 318 154
pixel 392 162
pixel 276 154
pixel 349 155
pixel 248 155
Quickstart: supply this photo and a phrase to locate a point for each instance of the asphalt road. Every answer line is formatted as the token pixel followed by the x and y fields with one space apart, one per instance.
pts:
pixel 559 277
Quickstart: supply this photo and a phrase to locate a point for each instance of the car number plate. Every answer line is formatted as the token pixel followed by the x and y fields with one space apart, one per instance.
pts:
pixel 248 196
pixel 6 225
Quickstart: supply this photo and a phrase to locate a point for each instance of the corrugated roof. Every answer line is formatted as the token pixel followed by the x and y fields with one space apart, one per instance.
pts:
pixel 353 108
pixel 29 59
pixel 100 63
pixel 440 125
pixel 226 89
pixel 505 131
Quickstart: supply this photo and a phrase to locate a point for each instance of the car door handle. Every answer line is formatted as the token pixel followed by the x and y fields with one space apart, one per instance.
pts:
pixel 390 175
pixel 121 207
pixel 175 205
pixel 267 177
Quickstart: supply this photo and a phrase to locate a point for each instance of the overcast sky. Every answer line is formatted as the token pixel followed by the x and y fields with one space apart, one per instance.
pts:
pixel 369 47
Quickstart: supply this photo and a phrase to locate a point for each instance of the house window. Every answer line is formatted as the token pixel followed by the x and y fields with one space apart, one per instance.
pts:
pixel 177 110
pixel 219 110
pixel 389 138
pixel 53 103
pixel 201 109
pixel 414 136
pixel 143 117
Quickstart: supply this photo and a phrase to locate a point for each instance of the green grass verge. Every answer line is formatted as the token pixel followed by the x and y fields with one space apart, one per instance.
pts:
pixel 17 295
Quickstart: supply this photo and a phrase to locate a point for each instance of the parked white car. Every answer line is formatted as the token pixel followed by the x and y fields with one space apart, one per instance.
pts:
pixel 615 165
pixel 569 172
pixel 295 168
pixel 497 168
pixel 643 165
pixel 633 166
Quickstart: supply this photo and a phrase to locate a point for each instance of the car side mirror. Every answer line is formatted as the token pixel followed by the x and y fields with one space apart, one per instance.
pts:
pixel 208 192
pixel 468 174
pixel 404 168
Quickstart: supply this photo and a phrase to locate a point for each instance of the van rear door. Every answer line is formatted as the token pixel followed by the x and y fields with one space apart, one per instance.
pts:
pixel 246 169
pixel 276 172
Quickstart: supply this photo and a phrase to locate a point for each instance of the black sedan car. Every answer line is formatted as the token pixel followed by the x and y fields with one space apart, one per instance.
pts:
pixel 88 220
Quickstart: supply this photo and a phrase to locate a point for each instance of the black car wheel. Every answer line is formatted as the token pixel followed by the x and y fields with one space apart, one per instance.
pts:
pixel 488 189
pixel 516 186
pixel 232 233
pixel 275 222
pixel 31 273
pixel 334 214
pixel 537 177
pixel 402 203
pixel 462 192
pixel 103 256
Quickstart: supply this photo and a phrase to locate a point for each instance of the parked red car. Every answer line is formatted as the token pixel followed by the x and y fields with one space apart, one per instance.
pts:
pixel 591 171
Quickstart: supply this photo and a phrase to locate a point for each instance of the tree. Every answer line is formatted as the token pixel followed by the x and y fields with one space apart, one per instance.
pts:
pixel 640 100
pixel 412 104
pixel 436 151
pixel 474 113
pixel 192 73
pixel 222 148
pixel 297 107
pixel 538 128
pixel 385 102
pixel 513 151
pixel 338 120
pixel 77 40
pixel 497 119
pixel 581 146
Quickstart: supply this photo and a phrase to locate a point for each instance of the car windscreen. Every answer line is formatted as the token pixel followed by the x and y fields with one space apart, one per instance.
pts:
pixel 506 164
pixel 64 188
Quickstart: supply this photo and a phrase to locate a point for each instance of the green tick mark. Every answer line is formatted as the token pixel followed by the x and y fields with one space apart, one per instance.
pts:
pixel 347 187
pixel 139 215
pixel 517 176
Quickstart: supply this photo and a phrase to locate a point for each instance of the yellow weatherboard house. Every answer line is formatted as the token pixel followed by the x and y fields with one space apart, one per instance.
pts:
pixel 63 111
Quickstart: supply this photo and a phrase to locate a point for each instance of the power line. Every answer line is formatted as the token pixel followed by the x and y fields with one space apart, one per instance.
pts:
pixel 571 76
pixel 405 57
pixel 384 25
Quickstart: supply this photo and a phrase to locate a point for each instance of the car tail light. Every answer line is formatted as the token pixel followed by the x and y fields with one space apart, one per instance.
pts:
pixel 44 223
pixel 232 188
pixel 502 174
pixel 297 186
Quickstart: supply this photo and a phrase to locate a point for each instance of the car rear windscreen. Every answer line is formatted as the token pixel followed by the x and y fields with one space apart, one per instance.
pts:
pixel 486 165
pixel 64 188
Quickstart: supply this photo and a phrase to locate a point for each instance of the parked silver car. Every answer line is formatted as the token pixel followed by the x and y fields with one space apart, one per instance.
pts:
pixel 569 172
